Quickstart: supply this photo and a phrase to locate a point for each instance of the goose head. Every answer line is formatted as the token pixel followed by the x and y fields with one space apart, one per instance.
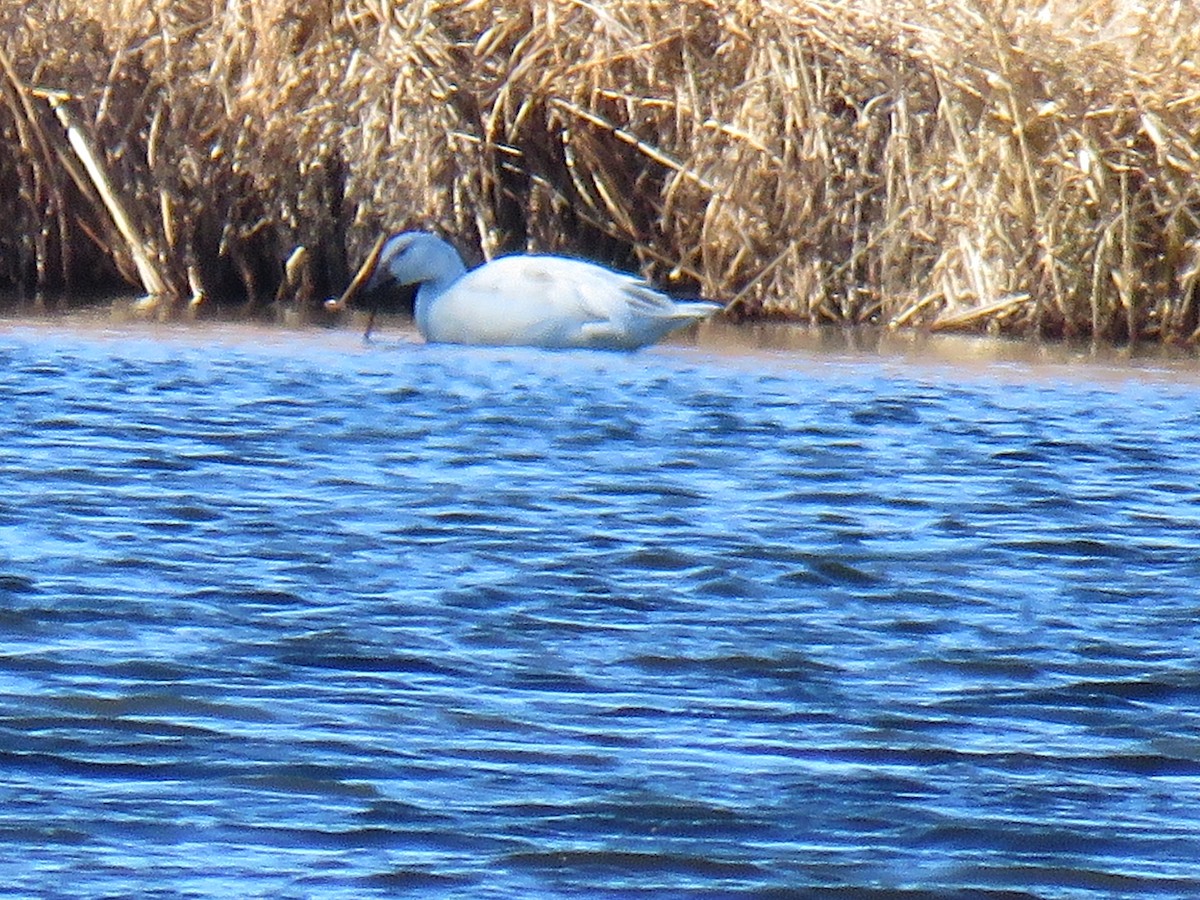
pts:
pixel 414 257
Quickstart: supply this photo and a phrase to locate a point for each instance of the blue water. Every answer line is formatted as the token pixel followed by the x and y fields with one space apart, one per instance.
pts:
pixel 287 616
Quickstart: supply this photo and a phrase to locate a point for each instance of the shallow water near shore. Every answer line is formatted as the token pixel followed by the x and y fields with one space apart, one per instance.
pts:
pixel 287 615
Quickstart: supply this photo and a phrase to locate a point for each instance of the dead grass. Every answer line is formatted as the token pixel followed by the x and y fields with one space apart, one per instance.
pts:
pixel 1031 167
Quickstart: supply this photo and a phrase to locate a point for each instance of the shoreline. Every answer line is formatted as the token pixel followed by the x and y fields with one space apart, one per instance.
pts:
pixel 763 345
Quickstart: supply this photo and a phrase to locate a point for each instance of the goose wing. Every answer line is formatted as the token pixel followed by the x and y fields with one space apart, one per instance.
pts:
pixel 555 301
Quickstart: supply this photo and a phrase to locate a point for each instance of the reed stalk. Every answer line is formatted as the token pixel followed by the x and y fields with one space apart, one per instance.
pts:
pixel 1024 167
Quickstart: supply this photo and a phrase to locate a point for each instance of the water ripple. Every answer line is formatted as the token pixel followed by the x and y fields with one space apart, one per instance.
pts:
pixel 287 616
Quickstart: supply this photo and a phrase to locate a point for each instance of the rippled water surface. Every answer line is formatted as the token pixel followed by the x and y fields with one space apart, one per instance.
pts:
pixel 287 616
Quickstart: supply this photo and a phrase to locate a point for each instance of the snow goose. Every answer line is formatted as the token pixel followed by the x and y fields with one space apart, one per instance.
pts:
pixel 531 300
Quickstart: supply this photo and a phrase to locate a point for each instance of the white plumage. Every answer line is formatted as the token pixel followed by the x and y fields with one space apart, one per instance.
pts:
pixel 540 301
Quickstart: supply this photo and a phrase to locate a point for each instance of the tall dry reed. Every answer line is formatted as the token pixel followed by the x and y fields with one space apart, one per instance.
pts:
pixel 1024 166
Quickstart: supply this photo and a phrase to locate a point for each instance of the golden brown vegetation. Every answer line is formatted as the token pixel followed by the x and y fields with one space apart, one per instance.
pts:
pixel 1022 165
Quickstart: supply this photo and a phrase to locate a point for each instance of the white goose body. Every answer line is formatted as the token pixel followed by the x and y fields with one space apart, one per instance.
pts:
pixel 539 301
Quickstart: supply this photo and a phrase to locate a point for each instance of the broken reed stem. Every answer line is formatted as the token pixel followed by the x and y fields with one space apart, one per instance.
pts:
pixel 143 256
pixel 360 277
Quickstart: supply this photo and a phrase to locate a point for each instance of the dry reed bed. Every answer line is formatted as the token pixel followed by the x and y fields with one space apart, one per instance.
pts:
pixel 1022 166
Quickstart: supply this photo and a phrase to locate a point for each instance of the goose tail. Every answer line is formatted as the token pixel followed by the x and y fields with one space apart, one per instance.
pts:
pixel 697 309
